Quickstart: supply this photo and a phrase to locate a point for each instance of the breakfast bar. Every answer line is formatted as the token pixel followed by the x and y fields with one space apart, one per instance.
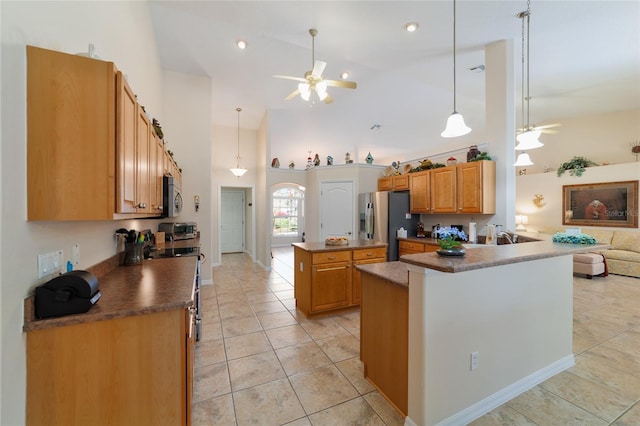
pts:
pixel 482 328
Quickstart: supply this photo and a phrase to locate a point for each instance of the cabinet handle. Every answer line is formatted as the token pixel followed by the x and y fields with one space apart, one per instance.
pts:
pixel 369 254
pixel 331 257
pixel 142 205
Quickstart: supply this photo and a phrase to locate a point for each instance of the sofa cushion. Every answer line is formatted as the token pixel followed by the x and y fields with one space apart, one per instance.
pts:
pixel 602 237
pixel 626 255
pixel 626 241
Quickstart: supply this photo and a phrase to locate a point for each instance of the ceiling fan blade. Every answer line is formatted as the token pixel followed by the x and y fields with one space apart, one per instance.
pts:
pixel 328 99
pixel 288 77
pixel 340 83
pixel 548 126
pixel 318 69
pixel 292 95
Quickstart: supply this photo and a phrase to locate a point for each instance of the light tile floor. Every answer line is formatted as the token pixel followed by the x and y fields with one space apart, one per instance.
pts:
pixel 261 362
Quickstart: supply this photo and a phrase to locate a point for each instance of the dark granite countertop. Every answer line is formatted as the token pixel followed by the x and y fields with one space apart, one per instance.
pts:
pixel 154 286
pixel 394 272
pixel 314 247
pixel 489 256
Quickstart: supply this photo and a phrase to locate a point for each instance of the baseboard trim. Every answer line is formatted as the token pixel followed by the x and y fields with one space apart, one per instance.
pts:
pixel 491 402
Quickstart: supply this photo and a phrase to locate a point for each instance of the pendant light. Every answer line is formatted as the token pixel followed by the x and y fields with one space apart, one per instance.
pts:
pixel 528 139
pixel 455 122
pixel 238 171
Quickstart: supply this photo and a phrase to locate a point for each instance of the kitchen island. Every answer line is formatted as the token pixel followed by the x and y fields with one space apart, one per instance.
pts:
pixel 482 328
pixel 128 360
pixel 326 277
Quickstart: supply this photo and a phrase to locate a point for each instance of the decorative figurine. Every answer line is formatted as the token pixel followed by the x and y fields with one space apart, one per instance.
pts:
pixel 275 163
pixel 369 159
pixel 316 160
pixel 420 231
pixel 309 162
pixel 292 165
pixel 473 151
pixel 329 160
pixel 347 159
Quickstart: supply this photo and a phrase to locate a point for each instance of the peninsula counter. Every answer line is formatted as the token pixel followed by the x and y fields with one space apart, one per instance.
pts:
pixel 483 328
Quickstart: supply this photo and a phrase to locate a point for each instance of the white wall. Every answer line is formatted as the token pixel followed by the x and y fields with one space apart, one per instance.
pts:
pixel 600 138
pixel 187 132
pixel 549 217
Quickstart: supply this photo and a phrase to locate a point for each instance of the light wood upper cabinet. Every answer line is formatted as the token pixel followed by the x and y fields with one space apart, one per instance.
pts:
pixel 419 184
pixel 394 183
pixel 90 147
pixel 464 188
pixel 443 190
pixel 477 187
pixel 126 131
pixel 71 137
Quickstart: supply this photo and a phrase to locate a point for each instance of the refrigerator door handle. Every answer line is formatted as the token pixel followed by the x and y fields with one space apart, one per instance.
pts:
pixel 368 221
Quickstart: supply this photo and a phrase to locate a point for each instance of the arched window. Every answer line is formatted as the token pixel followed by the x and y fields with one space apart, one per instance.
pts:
pixel 288 210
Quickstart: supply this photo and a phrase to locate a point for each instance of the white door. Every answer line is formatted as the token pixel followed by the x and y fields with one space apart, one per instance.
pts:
pixel 232 221
pixel 336 209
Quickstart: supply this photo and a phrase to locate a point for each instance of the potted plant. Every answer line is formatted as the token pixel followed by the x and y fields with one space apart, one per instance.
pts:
pixel 576 166
pixel 449 240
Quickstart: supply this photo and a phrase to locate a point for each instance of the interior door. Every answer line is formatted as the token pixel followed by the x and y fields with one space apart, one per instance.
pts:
pixel 336 209
pixel 232 221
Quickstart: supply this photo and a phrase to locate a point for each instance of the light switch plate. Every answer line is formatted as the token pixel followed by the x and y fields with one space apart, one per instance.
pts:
pixel 50 263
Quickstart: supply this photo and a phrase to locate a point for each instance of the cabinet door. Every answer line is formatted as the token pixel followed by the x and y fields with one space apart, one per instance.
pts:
pixel 362 257
pixel 477 187
pixel 143 163
pixel 71 133
pixel 126 119
pixel 385 183
pixel 419 192
pixel 157 156
pixel 401 183
pixel 410 247
pixel 443 190
pixel 190 357
pixel 330 286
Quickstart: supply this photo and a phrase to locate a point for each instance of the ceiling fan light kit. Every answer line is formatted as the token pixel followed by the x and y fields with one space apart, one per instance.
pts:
pixel 455 123
pixel 529 138
pixel 237 170
pixel 523 160
pixel 313 83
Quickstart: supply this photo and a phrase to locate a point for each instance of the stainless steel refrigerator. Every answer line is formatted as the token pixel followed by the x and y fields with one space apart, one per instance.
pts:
pixel 381 214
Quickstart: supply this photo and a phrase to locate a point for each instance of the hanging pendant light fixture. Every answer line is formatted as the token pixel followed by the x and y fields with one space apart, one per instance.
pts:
pixel 238 171
pixel 528 139
pixel 455 123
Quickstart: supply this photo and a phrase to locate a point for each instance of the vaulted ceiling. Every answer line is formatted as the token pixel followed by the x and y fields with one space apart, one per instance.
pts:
pixel 584 59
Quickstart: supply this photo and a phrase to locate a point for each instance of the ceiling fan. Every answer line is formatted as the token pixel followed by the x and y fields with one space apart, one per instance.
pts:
pixel 313 81
pixel 547 128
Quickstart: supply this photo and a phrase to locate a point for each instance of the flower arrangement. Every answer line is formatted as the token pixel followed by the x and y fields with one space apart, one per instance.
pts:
pixel 449 238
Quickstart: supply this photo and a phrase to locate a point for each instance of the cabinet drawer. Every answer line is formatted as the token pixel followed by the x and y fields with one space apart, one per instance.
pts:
pixel 411 247
pixel 372 253
pixel 331 256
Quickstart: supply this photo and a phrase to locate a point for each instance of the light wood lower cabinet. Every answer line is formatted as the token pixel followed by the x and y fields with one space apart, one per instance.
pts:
pixel 412 247
pixel 328 280
pixel 125 371
pixel 384 341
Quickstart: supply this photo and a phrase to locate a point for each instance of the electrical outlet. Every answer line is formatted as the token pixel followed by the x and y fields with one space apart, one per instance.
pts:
pixel 75 254
pixel 50 263
pixel 474 360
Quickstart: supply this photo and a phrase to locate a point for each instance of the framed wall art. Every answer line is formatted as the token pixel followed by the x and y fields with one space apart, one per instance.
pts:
pixel 611 204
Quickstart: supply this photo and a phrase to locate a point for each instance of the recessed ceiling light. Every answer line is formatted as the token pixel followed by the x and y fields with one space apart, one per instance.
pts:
pixel 344 75
pixel 241 44
pixel 411 26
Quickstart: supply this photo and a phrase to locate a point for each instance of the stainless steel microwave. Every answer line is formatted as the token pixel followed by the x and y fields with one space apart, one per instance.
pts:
pixel 178 231
pixel 171 197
